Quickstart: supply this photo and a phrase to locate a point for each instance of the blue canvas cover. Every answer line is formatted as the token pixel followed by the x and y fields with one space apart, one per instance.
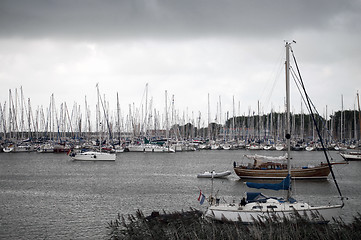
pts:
pixel 255 197
pixel 284 185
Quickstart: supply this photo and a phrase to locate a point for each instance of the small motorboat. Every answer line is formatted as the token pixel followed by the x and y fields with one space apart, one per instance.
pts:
pixel 349 156
pixel 214 174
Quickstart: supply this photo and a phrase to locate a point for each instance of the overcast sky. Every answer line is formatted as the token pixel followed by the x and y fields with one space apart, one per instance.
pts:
pixel 189 48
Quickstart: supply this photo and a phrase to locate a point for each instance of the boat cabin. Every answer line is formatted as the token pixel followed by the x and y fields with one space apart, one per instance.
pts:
pixel 258 164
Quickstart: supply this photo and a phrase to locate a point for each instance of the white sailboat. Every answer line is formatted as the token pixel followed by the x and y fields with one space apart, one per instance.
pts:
pixel 96 155
pixel 256 206
pixel 93 156
pixel 147 147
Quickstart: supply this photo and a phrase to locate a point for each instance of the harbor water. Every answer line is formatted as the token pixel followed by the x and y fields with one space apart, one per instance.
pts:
pixel 49 196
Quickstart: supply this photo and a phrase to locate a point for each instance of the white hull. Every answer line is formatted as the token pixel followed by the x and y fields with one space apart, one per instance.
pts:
pixel 149 148
pixel 17 149
pixel 267 147
pixel 94 156
pixel 214 174
pixel 260 211
pixel 309 149
pixel 8 149
pixel 216 147
pixel 46 149
pixel 351 156
pixel 182 148
pixel 254 147
pixel 280 147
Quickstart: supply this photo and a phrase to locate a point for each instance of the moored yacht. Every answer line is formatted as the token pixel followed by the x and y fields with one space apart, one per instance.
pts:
pixel 256 206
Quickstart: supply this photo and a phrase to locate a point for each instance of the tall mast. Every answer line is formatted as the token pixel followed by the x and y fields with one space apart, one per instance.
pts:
pixel 341 127
pixel 145 123
pixel 354 119
pixel 209 116
pixel 166 116
pixel 233 120
pixel 118 116
pixel 359 115
pixel 288 130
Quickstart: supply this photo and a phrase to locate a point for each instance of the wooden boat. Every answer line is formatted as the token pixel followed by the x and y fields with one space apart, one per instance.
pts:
pixel 271 167
pixel 214 174
pixel 351 156
pixel 278 170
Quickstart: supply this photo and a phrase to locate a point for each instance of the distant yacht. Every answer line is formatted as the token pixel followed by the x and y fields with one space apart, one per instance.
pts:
pixel 93 156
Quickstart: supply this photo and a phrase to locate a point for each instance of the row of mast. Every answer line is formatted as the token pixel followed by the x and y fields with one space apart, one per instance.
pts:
pixel 19 120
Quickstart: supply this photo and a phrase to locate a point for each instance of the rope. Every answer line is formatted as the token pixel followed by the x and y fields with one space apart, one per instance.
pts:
pixel 308 108
pixel 314 120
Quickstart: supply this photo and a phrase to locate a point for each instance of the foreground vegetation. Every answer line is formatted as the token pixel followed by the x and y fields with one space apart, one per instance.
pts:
pixel 191 225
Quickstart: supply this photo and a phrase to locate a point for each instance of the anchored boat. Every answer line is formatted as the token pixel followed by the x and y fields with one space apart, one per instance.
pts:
pixel 351 156
pixel 257 207
pixel 214 174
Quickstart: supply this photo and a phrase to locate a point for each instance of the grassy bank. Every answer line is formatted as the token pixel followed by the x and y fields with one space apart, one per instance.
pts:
pixel 191 225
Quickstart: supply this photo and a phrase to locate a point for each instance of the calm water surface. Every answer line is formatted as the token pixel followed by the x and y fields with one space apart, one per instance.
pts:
pixel 48 196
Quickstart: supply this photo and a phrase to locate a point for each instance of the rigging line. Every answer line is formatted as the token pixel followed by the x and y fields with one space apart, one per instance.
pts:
pixel 299 82
pixel 298 87
pixel 277 71
pixel 314 107
pixel 318 132
pixel 105 114
pixel 303 99
pixel 324 123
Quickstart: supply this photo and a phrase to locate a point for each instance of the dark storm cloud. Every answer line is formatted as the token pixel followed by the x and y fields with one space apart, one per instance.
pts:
pixel 150 18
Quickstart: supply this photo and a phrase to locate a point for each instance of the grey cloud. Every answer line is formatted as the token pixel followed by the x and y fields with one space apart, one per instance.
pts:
pixel 151 18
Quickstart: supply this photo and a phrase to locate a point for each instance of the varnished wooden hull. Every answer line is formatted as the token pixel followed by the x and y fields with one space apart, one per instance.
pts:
pixel 319 172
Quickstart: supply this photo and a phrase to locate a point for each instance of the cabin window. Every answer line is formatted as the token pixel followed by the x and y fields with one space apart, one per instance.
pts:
pixel 257 207
pixel 272 207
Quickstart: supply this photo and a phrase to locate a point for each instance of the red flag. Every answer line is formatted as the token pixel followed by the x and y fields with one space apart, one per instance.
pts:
pixel 200 195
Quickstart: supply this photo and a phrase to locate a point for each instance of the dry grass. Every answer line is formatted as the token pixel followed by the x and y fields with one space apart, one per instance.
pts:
pixel 191 225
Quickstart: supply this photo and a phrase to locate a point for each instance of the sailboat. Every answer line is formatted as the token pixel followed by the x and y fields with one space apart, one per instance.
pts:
pixel 257 207
pixel 276 168
pixel 147 146
pixel 95 155
pixel 266 167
